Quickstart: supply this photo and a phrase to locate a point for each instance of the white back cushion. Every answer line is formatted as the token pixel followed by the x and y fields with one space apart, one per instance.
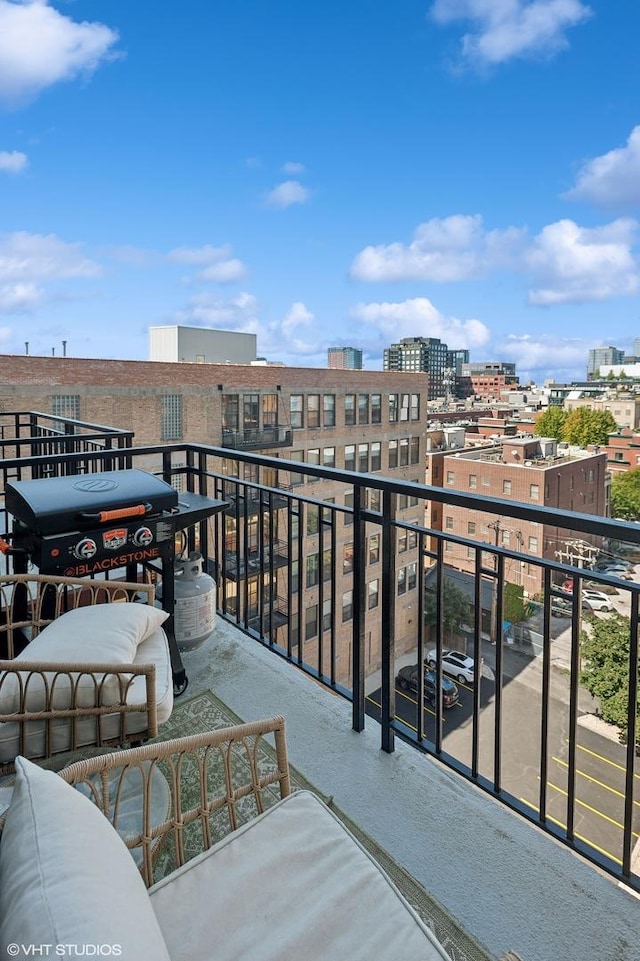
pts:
pixel 66 877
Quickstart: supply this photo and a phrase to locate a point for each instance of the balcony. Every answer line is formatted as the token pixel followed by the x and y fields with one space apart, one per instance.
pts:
pixel 489 805
pixel 267 438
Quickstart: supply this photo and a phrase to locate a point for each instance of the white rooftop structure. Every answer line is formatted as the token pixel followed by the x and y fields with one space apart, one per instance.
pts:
pixel 201 345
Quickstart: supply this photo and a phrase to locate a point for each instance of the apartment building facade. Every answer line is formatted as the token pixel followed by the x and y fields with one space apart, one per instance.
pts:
pixel 623 406
pixel 530 470
pixel 363 421
pixel 344 358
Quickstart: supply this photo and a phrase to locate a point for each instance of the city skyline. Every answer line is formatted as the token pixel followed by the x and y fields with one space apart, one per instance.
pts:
pixel 322 178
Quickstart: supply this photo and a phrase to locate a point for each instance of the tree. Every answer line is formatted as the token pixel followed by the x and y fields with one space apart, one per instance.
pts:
pixel 584 427
pixel 605 672
pixel 551 423
pixel 514 608
pixel 455 608
pixel 625 495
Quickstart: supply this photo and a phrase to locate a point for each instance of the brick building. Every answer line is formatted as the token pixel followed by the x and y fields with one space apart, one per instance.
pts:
pixel 531 470
pixel 366 421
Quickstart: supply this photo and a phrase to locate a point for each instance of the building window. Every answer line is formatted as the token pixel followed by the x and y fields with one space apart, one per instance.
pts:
pixel 311 622
pixel 404 407
pixel 349 409
pixel 68 405
pixel 347 606
pixel 363 408
pixel 326 615
pixel 296 408
pixel 376 456
pixel 393 454
pixel 591 475
pixel 412 577
pixel 506 486
pixel 296 479
pixel 313 410
pixel 295 577
pixel 313 520
pixel 402 541
pixel 363 458
pixel 350 457
pixel 347 558
pixel 393 408
pixel 374 593
pixel 473 481
pixel 404 452
pixel 403 502
pixel 313 457
pixel 251 411
pixel 375 500
pixel 448 523
pixel 327 564
pixel 374 549
pixel 171 417
pixel 313 570
pixel 471 527
pixel 402 581
pixel 376 408
pixel 485 481
pixel 348 502
pixel 533 545
pixel 506 537
pixel 451 477
pixel 269 410
pixel 414 450
pixel 230 408
pixel 415 407
pixel 329 410
pixel 534 492
pixel 329 457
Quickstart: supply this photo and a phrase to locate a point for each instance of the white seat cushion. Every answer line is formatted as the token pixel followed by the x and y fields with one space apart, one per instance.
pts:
pixel 291 884
pixel 66 877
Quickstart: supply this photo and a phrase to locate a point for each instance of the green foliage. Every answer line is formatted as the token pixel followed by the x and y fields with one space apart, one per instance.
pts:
pixel 584 427
pixel 551 423
pixel 625 495
pixel 605 672
pixel 455 608
pixel 514 608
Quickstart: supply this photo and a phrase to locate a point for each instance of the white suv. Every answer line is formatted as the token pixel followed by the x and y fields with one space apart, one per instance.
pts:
pixel 596 601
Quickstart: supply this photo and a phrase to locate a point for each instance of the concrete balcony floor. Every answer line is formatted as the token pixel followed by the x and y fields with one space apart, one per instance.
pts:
pixel 508 884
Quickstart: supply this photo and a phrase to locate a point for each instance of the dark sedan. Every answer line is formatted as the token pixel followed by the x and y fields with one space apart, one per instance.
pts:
pixel 407 680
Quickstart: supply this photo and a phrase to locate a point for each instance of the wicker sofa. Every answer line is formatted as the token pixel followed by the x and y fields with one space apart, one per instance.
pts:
pixel 236 866
pixel 86 663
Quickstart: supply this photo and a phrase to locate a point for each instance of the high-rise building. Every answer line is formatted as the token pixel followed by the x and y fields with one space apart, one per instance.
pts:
pixel 636 347
pixel 414 354
pixel 601 356
pixel 456 358
pixel 344 358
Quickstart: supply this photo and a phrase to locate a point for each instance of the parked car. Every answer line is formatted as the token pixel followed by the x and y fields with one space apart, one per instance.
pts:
pixel 609 562
pixel 561 607
pixel 617 570
pixel 596 601
pixel 407 680
pixel 455 663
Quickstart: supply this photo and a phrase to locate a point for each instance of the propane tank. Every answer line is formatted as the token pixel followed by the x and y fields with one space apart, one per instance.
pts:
pixel 195 603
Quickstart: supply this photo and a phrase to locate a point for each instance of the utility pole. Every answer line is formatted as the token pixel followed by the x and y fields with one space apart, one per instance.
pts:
pixel 499 529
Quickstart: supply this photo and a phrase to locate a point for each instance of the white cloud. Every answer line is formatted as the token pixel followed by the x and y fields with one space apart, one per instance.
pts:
pixel 614 178
pixel 539 356
pixel 27 261
pixel 239 313
pixel 40 47
pixel 573 264
pixel 12 161
pixel 286 194
pixel 19 298
pixel 293 168
pixel 443 250
pixel 508 29
pixel 418 317
pixel 37 257
pixel 297 316
pixel 218 263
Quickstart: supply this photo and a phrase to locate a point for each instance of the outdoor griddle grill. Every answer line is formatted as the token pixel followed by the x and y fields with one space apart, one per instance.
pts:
pixel 91 524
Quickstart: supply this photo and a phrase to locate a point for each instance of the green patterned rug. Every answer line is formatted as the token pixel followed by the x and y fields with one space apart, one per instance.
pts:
pixel 205 712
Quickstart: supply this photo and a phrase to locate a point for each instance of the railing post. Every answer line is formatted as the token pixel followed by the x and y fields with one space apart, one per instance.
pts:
pixel 359 607
pixel 388 640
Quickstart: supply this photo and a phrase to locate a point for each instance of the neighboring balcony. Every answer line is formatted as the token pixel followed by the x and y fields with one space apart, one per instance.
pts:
pixel 267 438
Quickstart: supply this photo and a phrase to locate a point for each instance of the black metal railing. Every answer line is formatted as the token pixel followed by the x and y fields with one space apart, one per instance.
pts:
pixel 345 581
pixel 257 438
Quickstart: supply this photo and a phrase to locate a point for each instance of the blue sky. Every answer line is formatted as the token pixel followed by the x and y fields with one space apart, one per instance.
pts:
pixel 338 173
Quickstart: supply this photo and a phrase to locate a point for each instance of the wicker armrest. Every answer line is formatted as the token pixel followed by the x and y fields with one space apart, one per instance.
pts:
pixel 216 782
pixel 59 707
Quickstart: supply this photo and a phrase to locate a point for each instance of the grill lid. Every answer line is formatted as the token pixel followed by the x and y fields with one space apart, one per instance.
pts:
pixel 57 504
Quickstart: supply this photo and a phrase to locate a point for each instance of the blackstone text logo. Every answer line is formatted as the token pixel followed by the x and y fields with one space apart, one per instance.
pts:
pixel 108 563
pixel 64 950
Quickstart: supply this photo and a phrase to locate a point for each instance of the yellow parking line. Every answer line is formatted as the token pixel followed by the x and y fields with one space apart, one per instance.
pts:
pixel 402 694
pixel 601 757
pixel 594 780
pixel 593 810
pixel 580 837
